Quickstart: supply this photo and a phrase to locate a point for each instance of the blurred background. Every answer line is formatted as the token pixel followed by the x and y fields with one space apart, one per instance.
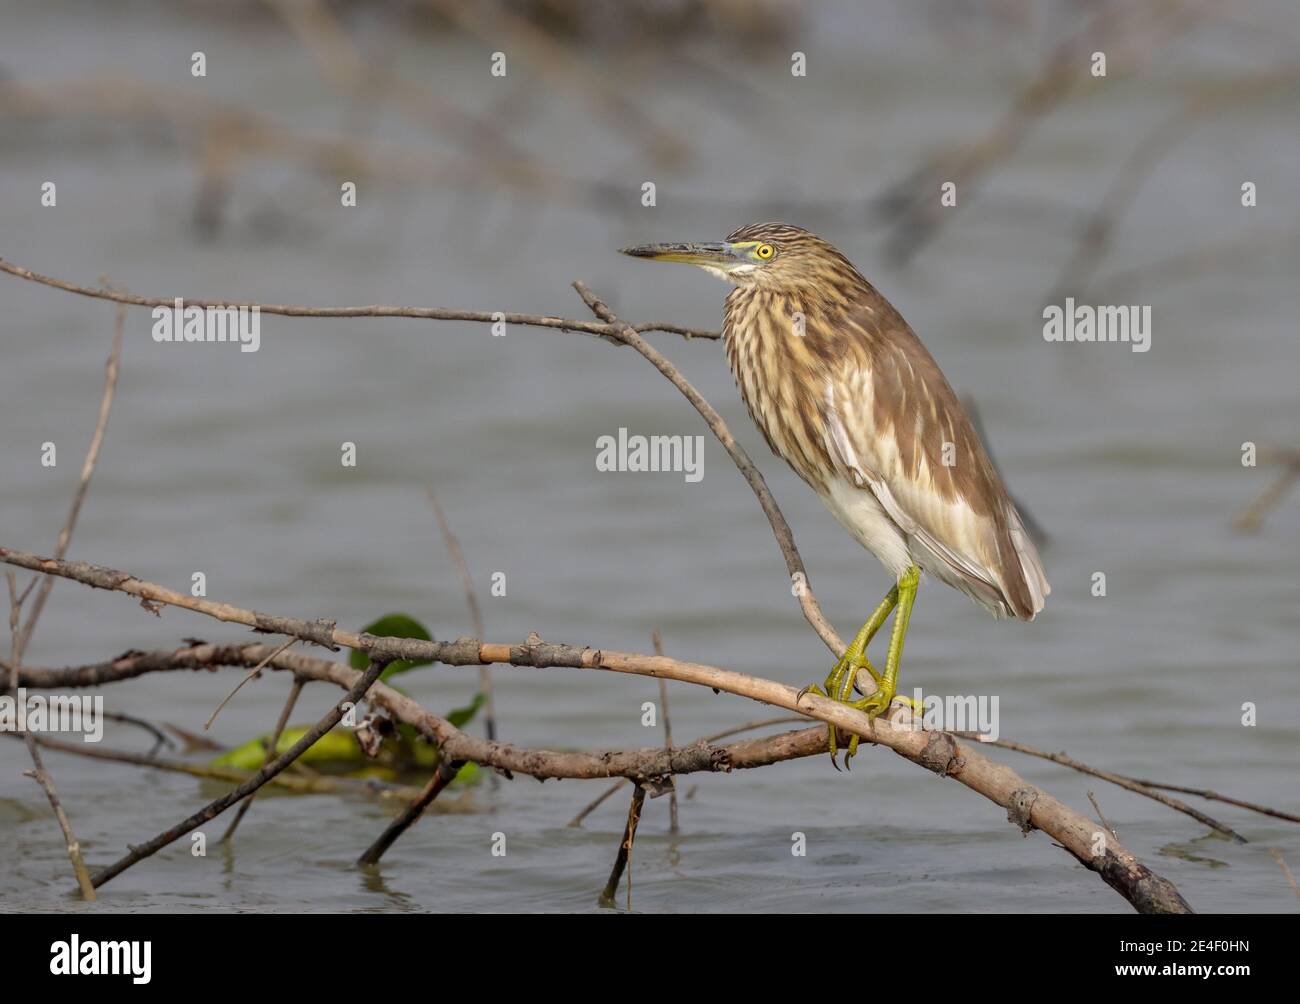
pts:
pixel 494 193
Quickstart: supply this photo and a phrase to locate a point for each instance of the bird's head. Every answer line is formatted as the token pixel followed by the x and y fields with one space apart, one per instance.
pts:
pixel 767 255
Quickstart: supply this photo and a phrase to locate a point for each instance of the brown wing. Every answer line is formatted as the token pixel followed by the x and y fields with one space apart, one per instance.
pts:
pixel 899 430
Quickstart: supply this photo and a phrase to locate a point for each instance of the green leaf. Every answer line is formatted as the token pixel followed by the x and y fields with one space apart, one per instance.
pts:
pixel 469 773
pixel 393 626
pixel 460 716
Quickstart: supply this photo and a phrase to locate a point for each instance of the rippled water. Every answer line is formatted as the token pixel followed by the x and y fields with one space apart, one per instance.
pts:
pixel 228 463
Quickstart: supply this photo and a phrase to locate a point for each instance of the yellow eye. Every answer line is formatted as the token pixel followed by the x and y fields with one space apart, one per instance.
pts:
pixel 764 251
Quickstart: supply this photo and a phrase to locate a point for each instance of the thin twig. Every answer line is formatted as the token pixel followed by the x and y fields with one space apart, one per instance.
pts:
pixel 1214 796
pixel 293 310
pixel 281 724
pixel 658 644
pixel 1101 817
pixel 251 673
pixel 1281 863
pixel 471 599
pixel 1128 783
pixel 1253 515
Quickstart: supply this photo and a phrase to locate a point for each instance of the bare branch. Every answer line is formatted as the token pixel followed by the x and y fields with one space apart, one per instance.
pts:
pixel 471 599
pixel 293 310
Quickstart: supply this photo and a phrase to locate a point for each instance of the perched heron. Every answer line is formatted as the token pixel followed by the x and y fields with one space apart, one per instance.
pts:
pixel 846 394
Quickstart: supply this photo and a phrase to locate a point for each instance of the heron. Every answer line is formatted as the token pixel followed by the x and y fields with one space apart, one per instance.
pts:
pixel 845 393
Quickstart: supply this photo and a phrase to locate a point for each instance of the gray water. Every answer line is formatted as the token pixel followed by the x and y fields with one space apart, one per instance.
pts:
pixel 227 463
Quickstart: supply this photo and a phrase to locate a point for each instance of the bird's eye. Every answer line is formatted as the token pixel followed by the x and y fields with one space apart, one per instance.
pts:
pixel 765 251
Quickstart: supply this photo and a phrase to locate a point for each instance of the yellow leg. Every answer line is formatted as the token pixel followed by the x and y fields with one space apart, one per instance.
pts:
pixel 839 684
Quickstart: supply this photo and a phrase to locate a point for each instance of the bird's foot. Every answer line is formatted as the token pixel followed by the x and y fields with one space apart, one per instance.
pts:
pixel 838 686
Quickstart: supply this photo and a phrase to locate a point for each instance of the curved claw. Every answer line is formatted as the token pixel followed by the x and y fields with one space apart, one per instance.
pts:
pixel 852 751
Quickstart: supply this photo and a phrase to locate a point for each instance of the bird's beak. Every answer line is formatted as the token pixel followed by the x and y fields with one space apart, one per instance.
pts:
pixel 720 256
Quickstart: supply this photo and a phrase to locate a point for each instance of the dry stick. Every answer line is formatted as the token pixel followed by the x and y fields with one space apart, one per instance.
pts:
pixel 251 673
pixel 442 777
pixel 1281 862
pixel 1140 787
pixel 87 469
pixel 658 644
pixel 1214 796
pixel 476 617
pixel 1253 515
pixel 289 781
pixel 39 774
pixel 268 771
pixel 628 335
pixel 624 850
pixel 280 724
pixel 293 310
pixel 747 727
pixel 1102 817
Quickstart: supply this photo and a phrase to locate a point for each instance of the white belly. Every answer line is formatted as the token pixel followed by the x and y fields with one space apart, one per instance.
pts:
pixel 859 513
